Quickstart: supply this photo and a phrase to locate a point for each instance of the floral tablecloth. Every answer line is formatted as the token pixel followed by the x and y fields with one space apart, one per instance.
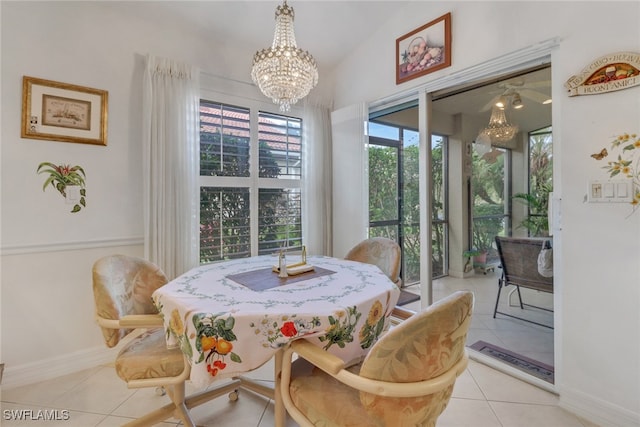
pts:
pixel 226 329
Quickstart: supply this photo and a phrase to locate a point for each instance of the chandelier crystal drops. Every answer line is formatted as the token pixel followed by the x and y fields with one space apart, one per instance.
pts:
pixel 498 129
pixel 284 72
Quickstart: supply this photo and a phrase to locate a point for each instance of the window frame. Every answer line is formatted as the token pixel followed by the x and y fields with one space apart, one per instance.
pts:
pixel 545 130
pixel 254 182
pixel 397 142
pixel 506 216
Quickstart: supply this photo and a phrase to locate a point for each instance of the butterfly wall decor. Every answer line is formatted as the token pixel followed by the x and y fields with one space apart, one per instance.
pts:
pixel 601 155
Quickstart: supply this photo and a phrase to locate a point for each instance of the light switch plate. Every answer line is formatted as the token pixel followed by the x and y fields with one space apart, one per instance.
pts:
pixel 610 191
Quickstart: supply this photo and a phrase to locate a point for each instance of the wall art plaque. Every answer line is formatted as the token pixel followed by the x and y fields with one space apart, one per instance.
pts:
pixel 608 73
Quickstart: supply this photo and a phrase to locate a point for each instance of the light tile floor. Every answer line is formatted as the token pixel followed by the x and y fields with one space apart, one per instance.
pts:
pixel 482 397
pixel 524 338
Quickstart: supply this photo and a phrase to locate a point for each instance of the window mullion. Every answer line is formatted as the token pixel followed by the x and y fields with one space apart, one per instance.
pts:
pixel 225 181
pixel 278 183
pixel 250 182
pixel 254 161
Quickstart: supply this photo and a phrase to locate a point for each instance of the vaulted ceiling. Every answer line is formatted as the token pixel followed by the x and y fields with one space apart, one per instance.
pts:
pixel 330 30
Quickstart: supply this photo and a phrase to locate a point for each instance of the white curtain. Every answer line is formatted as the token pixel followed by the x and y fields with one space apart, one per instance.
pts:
pixel 317 179
pixel 170 164
pixel 350 177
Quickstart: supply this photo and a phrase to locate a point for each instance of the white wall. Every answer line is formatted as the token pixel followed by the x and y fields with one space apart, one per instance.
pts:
pixel 597 273
pixel 47 252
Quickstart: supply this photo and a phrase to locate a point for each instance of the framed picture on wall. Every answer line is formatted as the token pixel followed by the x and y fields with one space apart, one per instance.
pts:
pixel 424 50
pixel 63 112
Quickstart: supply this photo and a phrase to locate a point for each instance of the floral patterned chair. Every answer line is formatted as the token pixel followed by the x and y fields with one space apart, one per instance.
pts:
pixel 380 251
pixel 405 380
pixel 122 288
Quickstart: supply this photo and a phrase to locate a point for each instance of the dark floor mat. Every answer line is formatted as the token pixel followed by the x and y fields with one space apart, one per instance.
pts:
pixel 407 297
pixel 530 366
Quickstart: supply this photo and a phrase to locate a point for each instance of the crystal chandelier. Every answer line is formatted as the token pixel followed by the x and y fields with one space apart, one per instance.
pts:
pixel 284 72
pixel 498 129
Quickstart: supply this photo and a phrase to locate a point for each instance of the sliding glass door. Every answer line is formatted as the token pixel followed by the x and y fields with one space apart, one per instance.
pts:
pixel 394 190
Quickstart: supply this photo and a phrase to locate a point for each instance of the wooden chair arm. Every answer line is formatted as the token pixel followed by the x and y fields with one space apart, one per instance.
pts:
pixel 142 321
pixel 334 366
pixel 412 389
pixel 322 359
pixel 132 321
pixel 402 313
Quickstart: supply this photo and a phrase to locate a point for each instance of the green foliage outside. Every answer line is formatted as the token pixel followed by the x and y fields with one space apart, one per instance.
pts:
pixel 540 184
pixel 487 192
pixel 383 204
pixel 224 212
pixel 489 199
pixel 383 183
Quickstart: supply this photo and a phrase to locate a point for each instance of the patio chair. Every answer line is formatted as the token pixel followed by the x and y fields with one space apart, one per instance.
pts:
pixel 519 262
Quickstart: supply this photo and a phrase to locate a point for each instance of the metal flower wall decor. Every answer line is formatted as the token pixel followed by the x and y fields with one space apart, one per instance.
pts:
pixel 66 179
pixel 627 164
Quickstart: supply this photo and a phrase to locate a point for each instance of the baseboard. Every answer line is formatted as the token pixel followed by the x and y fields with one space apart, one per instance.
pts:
pixel 597 410
pixel 30 373
pixel 461 274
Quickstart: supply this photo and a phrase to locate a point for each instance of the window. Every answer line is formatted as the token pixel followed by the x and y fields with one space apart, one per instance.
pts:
pixel 540 182
pixel 440 205
pixel 247 207
pixel 490 203
pixel 394 196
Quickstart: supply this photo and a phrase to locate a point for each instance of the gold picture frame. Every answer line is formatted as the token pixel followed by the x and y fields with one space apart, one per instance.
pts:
pixel 63 112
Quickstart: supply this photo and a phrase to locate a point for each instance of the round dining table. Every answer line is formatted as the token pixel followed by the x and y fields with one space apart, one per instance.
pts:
pixel 231 317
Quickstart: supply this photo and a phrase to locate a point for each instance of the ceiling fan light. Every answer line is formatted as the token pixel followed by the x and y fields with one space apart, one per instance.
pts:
pixel 517 102
pixel 501 103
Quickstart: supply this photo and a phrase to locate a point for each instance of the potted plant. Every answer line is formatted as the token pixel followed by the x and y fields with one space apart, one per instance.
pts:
pixel 62 177
pixel 470 256
pixel 484 233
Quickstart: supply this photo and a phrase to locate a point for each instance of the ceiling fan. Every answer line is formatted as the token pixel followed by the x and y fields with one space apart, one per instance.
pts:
pixel 512 93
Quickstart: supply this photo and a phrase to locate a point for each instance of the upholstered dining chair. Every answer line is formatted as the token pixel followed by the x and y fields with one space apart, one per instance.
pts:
pixel 380 251
pixel 405 380
pixel 122 288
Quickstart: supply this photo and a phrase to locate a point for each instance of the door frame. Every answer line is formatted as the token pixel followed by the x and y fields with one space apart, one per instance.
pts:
pixel 513 62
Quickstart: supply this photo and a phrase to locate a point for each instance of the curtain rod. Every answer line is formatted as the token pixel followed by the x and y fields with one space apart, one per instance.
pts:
pixel 209 74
